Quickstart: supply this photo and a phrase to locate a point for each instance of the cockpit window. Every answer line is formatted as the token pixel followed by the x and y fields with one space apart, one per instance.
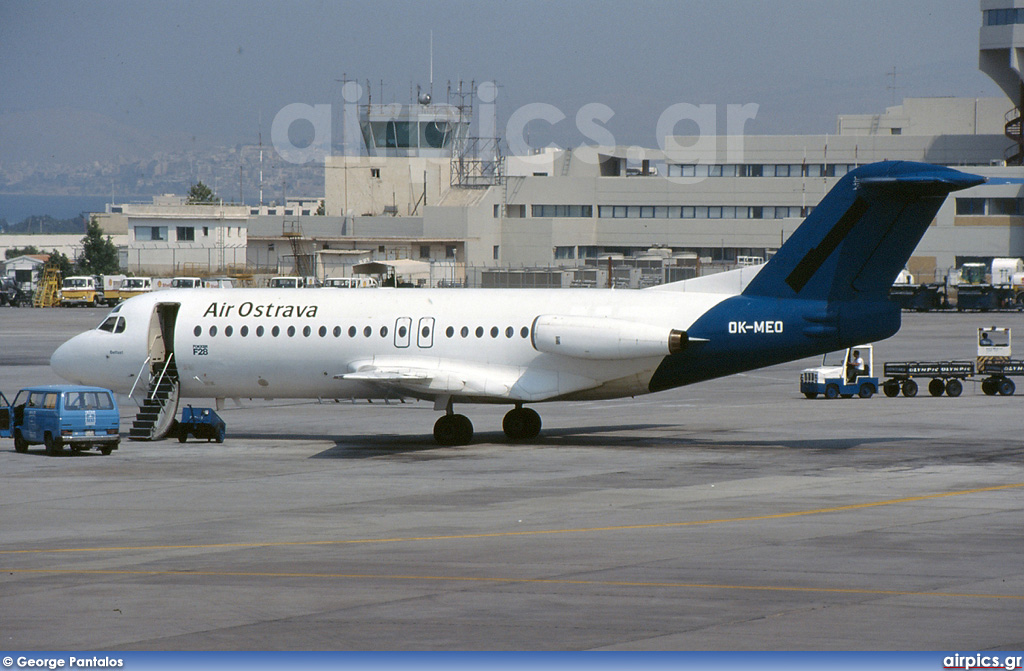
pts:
pixel 112 324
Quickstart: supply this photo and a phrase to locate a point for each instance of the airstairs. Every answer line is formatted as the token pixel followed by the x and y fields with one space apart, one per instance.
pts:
pixel 158 409
pixel 47 294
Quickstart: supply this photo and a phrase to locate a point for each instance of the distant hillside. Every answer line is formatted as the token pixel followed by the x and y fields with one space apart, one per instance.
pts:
pixel 44 225
pixel 75 138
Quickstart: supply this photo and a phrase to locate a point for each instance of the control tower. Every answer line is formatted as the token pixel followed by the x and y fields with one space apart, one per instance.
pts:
pixel 425 129
pixel 1001 57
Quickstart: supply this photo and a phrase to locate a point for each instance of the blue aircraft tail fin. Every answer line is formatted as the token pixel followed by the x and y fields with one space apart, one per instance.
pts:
pixel 861 234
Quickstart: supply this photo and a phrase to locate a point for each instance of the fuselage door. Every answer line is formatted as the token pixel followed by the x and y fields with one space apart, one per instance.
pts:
pixel 403 331
pixel 161 331
pixel 425 335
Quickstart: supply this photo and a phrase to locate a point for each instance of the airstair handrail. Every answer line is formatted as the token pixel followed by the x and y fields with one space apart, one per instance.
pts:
pixel 160 378
pixel 139 375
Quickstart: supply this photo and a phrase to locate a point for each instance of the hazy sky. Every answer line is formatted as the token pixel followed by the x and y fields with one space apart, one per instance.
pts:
pixel 210 69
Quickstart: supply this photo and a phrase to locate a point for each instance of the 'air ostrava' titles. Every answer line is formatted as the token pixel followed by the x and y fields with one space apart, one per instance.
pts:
pixel 250 309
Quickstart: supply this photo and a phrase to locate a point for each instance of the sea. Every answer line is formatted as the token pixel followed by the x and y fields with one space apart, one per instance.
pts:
pixel 17 208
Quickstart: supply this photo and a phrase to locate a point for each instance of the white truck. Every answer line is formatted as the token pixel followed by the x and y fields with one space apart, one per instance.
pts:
pixel 351 283
pixel 134 286
pixel 82 290
pixel 287 282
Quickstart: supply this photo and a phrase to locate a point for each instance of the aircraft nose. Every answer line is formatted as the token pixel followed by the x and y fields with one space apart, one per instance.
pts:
pixel 64 358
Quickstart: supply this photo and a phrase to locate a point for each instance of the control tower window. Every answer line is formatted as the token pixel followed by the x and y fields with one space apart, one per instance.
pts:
pixel 436 135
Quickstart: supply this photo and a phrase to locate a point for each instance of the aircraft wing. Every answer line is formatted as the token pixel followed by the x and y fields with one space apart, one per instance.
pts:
pixel 435 378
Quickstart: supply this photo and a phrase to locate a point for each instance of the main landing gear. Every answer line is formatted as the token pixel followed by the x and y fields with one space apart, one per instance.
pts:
pixel 519 424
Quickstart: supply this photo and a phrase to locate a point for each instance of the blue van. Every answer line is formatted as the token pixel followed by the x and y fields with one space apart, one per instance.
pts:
pixel 58 414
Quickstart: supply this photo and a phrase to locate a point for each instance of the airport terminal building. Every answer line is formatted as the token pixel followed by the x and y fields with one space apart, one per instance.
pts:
pixel 654 209
pixel 587 216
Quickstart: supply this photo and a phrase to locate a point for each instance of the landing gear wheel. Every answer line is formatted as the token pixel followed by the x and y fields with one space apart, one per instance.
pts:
pixel 891 388
pixel 521 424
pixel 866 390
pixel 1006 387
pixel 936 387
pixel 831 391
pixel 954 387
pixel 909 388
pixel 20 445
pixel 453 430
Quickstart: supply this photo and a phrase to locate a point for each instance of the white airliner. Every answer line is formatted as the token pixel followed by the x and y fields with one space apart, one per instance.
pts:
pixel 825 289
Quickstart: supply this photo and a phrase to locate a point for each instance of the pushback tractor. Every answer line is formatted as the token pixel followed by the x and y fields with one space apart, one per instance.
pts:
pixel 842 374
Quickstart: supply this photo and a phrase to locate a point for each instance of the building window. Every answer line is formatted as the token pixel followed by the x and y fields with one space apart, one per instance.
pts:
pixel 970 206
pixel 1005 206
pixel 186 233
pixel 424 251
pixel 497 211
pixel 151 233
pixel 1004 17
pixel 494 252
pixel 562 211
pixel 375 173
pixel 565 252
pixel 449 252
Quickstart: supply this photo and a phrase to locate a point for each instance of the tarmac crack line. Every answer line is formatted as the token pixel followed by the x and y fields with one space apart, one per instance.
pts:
pixel 535 532
pixel 519 581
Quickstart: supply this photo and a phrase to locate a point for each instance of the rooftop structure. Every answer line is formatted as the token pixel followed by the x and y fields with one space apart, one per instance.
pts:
pixel 1000 56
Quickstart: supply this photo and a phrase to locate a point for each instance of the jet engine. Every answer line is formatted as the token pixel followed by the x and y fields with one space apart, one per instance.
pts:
pixel 604 338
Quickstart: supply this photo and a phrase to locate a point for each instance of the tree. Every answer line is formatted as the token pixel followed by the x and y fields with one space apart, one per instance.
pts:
pixel 200 193
pixel 99 255
pixel 61 262
pixel 14 252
